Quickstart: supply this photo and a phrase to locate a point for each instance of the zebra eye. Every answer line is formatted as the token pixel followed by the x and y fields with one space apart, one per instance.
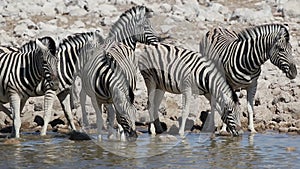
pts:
pixel 281 50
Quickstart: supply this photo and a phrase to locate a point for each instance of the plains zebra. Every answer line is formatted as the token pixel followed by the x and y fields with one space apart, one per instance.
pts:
pixel 8 49
pixel 23 74
pixel 72 58
pixel 133 26
pixel 180 71
pixel 243 53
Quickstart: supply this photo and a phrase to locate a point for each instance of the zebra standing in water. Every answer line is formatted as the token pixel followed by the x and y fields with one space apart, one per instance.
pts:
pixel 180 71
pixel 110 77
pixel 72 58
pixel 243 53
pixel 23 74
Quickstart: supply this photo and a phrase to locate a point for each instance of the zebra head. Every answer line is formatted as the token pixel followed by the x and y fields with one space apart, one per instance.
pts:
pixel 232 118
pixel 144 32
pixel 231 113
pixel 47 48
pixel 126 114
pixel 134 26
pixel 281 53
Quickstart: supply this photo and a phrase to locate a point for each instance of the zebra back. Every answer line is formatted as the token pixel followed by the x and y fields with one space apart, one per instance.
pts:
pixel 124 56
pixel 7 49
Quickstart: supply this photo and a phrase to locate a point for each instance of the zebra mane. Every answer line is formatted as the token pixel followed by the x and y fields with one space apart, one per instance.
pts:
pixel 76 36
pixel 83 41
pixel 266 29
pixel 47 41
pixel 135 14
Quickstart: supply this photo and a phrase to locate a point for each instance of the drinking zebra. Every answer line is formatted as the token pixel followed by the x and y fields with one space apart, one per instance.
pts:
pixel 243 53
pixel 115 68
pixel 24 74
pixel 167 68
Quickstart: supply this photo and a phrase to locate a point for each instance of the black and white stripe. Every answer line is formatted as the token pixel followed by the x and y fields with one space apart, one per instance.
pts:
pixel 23 74
pixel 243 53
pixel 72 57
pixel 116 69
pixel 167 68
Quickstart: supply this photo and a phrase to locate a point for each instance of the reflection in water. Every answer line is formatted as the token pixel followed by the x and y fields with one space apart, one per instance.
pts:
pixel 146 146
pixel 248 151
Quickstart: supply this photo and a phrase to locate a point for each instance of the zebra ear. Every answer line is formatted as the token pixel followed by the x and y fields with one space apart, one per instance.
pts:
pixel 98 36
pixel 41 45
pixel 286 26
pixel 149 13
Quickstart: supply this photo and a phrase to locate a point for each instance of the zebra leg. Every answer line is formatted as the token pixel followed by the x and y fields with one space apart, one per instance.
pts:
pixel 151 96
pixel 122 133
pixel 15 101
pixel 64 98
pixel 83 108
pixel 110 122
pixel 224 128
pixel 74 95
pixel 186 99
pixel 6 111
pixel 251 90
pixel 155 97
pixel 209 124
pixel 98 108
pixel 48 104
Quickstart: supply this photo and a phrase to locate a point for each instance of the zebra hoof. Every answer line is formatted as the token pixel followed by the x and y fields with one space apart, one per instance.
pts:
pixel 131 136
pixel 157 127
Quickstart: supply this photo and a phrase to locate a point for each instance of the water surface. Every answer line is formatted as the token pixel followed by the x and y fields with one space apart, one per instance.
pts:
pixel 268 150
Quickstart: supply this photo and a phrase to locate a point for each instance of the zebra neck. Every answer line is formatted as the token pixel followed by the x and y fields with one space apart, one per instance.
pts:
pixel 31 69
pixel 128 41
pixel 251 54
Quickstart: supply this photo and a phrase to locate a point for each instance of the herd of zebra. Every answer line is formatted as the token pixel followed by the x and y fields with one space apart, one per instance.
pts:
pixel 227 61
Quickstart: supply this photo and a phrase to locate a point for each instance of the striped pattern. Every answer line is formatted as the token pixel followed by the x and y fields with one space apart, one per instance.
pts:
pixel 243 53
pixel 105 81
pixel 117 70
pixel 22 73
pixel 72 54
pixel 167 68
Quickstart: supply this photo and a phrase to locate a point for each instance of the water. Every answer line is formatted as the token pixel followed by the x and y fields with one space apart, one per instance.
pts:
pixel 268 150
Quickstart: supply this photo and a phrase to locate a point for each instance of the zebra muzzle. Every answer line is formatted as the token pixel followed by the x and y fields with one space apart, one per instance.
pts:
pixel 131 135
pixel 291 72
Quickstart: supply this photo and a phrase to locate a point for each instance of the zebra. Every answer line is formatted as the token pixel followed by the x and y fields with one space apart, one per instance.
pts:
pixel 24 74
pixel 8 49
pixel 243 53
pixel 71 61
pixel 168 68
pixel 133 26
